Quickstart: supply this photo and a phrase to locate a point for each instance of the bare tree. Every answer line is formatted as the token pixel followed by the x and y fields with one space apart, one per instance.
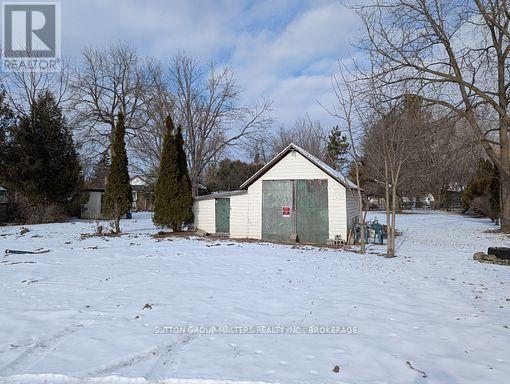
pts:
pixel 147 144
pixel 304 132
pixel 389 154
pixel 447 156
pixel 349 111
pixel 456 55
pixel 108 81
pixel 207 103
pixel 23 87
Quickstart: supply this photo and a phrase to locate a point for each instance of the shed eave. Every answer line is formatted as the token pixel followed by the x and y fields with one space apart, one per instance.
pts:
pixel 293 147
pixel 219 195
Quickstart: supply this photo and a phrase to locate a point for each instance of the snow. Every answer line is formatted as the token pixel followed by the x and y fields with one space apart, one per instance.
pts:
pixel 75 314
pixel 63 379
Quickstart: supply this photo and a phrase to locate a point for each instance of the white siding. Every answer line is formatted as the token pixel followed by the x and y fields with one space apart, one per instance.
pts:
pixel 239 216
pixel 337 210
pixel 246 209
pixel 296 166
pixel 352 207
pixel 205 215
pixel 204 211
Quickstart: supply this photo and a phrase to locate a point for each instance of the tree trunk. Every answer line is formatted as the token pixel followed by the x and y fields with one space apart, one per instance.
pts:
pixel 390 252
pixel 362 228
pixel 392 224
pixel 505 205
pixel 194 187
pixel 117 224
pixel 361 219
pixel 439 199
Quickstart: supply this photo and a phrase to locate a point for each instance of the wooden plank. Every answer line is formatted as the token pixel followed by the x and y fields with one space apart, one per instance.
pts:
pixel 277 212
pixel 222 215
pixel 312 222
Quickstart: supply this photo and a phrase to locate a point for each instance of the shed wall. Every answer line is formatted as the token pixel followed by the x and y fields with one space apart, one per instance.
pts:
pixel 239 216
pixel 352 208
pixel 204 211
pixel 296 166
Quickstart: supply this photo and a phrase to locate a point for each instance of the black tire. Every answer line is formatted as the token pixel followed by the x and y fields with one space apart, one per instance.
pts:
pixel 500 252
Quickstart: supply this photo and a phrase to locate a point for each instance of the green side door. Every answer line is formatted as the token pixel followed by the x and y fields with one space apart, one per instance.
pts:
pixel 277 214
pixel 312 223
pixel 222 216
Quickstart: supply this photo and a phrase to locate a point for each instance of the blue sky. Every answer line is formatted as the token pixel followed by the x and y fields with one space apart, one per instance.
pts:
pixel 282 50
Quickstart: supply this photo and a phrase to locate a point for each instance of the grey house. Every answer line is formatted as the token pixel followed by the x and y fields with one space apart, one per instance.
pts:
pixel 3 203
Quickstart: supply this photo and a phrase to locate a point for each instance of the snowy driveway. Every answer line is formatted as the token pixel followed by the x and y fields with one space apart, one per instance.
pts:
pixel 77 311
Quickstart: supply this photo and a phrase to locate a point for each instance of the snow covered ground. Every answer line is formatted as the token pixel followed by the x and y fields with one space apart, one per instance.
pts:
pixel 76 314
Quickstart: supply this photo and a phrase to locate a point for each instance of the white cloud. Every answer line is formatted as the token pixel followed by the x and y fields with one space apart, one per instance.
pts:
pixel 294 67
pixel 284 50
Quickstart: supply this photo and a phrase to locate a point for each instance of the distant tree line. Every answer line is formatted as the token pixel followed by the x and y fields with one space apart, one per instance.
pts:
pixel 228 175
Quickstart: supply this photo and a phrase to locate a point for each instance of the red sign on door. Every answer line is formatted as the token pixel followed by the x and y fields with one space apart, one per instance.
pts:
pixel 285 211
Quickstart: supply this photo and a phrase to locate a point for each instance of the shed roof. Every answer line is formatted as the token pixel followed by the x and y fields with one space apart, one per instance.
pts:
pixel 320 164
pixel 219 195
pixel 97 184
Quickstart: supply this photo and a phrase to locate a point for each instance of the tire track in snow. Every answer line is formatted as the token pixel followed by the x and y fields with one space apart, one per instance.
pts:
pixel 37 351
pixel 170 357
pixel 7 347
pixel 165 353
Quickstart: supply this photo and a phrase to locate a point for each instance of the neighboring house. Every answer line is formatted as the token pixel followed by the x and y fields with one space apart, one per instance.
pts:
pixel 202 190
pixel 3 195
pixel 294 197
pixel 143 197
pixel 424 201
pixel 93 208
pixel 453 200
pixel 376 203
pixel 3 204
pixel 406 202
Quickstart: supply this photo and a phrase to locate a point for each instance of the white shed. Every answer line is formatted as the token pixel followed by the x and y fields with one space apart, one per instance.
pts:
pixel 294 197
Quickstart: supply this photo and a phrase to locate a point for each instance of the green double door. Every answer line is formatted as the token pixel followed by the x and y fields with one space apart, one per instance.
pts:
pixel 222 216
pixel 295 210
pixel 277 196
